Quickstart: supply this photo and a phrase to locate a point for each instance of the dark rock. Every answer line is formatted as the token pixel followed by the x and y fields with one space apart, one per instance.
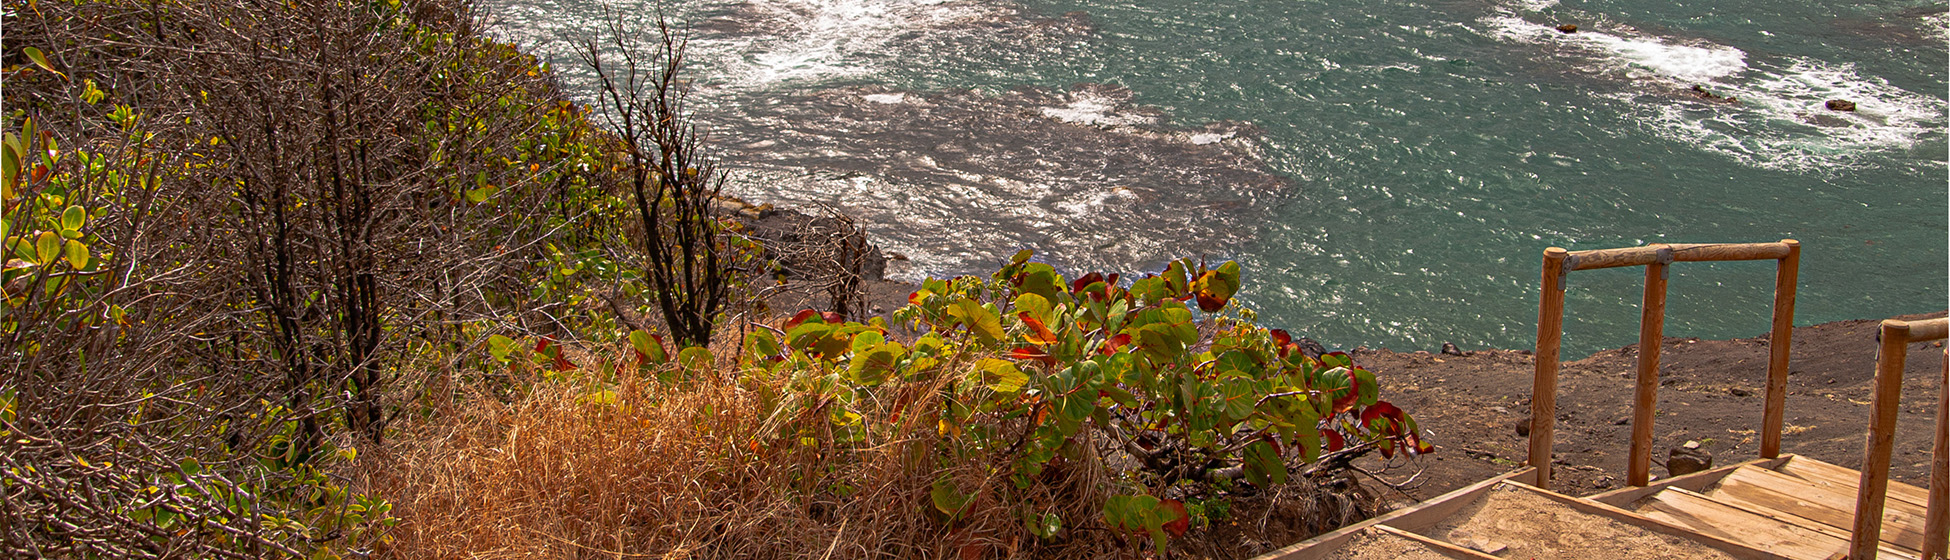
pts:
pixel 1451 349
pixel 1311 348
pixel 1840 105
pixel 1568 28
pixel 1523 427
pixel 1683 460
pixel 1739 392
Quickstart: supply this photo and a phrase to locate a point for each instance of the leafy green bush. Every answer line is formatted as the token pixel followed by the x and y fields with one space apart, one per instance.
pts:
pixel 1033 370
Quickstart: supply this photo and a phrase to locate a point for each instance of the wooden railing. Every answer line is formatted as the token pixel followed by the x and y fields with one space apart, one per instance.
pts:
pixel 1890 358
pixel 1558 263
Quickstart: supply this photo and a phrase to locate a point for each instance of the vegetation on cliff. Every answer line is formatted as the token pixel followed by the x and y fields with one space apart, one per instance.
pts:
pixel 330 279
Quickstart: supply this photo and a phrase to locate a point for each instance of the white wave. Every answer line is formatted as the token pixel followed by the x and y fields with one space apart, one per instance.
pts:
pixel 1689 62
pixel 820 40
pixel 1089 108
pixel 1782 121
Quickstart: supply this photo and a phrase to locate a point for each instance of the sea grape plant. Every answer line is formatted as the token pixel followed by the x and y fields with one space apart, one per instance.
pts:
pixel 1033 367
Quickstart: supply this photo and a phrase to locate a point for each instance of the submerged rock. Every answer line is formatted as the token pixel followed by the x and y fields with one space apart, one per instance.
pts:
pixel 1840 105
pixel 1568 28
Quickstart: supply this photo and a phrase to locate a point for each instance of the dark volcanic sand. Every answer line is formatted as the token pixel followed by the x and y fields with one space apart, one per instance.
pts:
pixel 1711 392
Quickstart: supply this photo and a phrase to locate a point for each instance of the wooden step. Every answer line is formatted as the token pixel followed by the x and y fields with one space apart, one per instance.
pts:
pixel 1766 491
pixel 1525 522
pixel 1793 537
pixel 1847 480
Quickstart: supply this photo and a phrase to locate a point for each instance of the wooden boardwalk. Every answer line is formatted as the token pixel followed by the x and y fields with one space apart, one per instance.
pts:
pixel 1776 506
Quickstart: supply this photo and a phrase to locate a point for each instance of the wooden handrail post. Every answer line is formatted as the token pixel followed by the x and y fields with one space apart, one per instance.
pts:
pixel 1867 533
pixel 1652 320
pixel 1936 524
pixel 1543 392
pixel 1778 340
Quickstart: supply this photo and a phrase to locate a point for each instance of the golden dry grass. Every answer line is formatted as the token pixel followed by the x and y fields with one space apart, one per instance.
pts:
pixel 564 469
pixel 685 472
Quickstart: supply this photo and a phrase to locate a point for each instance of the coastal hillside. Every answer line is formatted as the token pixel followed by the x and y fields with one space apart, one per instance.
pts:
pixel 364 279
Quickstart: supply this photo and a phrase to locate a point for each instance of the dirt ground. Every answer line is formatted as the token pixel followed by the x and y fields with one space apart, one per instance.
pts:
pixel 1710 391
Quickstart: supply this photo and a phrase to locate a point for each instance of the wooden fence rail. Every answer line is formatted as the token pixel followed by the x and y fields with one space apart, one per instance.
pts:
pixel 1890 358
pixel 1558 263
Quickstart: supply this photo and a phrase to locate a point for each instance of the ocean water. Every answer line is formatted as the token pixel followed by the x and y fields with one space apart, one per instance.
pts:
pixel 1389 171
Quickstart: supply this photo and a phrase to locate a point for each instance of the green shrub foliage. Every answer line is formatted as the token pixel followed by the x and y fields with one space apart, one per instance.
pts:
pixel 1035 369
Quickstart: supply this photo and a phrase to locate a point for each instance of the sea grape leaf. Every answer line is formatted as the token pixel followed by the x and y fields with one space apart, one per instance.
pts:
pixel 1263 465
pixel 650 348
pixel 981 322
pixel 872 366
pixel 1002 376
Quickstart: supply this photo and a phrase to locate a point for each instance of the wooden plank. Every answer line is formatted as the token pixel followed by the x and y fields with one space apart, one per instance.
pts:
pixel 1774 410
pixel 1844 479
pixel 1781 534
pixel 1697 482
pixel 1450 549
pixel 1772 492
pixel 1735 549
pixel 1652 321
pixel 1543 386
pixel 1423 514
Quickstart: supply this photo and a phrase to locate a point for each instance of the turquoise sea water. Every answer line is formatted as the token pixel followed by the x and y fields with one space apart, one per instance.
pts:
pixel 1388 170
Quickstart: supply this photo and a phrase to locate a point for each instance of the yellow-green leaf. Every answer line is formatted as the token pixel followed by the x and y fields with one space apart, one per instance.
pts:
pixel 77 255
pixel 41 60
pixel 73 217
pixel 47 247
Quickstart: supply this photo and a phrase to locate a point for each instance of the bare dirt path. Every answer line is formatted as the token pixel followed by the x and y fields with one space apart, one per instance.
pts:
pixel 1711 392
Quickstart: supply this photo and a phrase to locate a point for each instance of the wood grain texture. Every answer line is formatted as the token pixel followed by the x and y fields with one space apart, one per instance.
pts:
pixel 1885 404
pixel 1652 321
pixel 1779 339
pixel 1543 387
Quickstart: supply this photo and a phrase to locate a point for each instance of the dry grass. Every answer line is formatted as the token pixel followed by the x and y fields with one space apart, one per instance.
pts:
pixel 698 471
pixel 691 472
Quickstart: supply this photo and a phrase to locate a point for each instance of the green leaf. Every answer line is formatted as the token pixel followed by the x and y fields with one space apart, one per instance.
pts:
pixel 1263 465
pixel 500 346
pixel 1035 305
pixel 984 324
pixel 649 348
pixel 1368 392
pixel 1002 376
pixel 695 359
pixel 947 498
pixel 872 366
pixel 73 218
pixel 47 247
pixel 77 255
pixel 479 194
pixel 40 60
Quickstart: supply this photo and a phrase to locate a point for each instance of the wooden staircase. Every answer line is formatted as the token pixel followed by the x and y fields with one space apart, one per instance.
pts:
pixel 1777 506
pixel 1791 507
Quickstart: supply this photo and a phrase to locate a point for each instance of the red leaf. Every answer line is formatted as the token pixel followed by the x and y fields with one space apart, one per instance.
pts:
pixel 1085 281
pixel 1039 333
pixel 1115 344
pixel 914 298
pixel 832 318
pixel 1035 354
pixel 1209 304
pixel 1334 440
pixel 1281 338
pixel 1382 410
pixel 1270 440
pixel 541 346
pixel 802 317
pixel 1179 524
